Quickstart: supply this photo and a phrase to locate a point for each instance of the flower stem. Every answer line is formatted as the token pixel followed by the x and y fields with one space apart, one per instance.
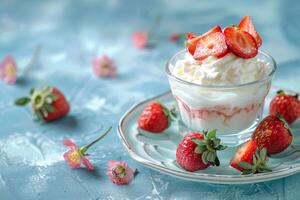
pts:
pixel 33 60
pixel 86 147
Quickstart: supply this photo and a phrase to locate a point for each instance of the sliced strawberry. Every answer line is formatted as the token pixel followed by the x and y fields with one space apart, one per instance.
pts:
pixel 241 43
pixel 247 25
pixel 249 159
pixel 190 35
pixel 212 44
pixel 244 154
pixel 192 43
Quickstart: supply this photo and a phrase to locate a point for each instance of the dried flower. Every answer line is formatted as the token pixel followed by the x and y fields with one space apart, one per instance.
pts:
pixel 104 67
pixel 8 70
pixel 77 155
pixel 119 172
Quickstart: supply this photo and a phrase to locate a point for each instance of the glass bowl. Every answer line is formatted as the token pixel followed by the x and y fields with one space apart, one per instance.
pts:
pixel 234 110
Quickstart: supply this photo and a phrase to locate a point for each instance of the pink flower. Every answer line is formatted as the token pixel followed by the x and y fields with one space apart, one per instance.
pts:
pixel 8 70
pixel 140 39
pixel 119 172
pixel 77 155
pixel 104 67
pixel 175 37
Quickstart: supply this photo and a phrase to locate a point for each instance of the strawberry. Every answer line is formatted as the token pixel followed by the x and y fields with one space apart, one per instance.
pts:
pixel 212 44
pixel 48 103
pixel 288 106
pixel 247 25
pixel 249 159
pixel 194 38
pixel 273 133
pixel 240 42
pixel 198 151
pixel 155 118
pixel 190 35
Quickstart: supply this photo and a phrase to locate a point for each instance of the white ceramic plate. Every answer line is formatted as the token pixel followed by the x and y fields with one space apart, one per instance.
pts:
pixel 158 151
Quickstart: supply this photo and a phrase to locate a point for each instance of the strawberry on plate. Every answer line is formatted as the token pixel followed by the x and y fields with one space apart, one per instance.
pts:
pixel 273 133
pixel 249 159
pixel 247 25
pixel 193 39
pixel 155 118
pixel 288 106
pixel 198 151
pixel 240 42
pixel 48 103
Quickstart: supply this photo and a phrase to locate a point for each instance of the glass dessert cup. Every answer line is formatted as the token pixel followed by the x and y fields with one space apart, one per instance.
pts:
pixel 234 110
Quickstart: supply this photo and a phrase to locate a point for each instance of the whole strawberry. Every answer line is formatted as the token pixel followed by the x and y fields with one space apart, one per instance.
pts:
pixel 249 159
pixel 155 118
pixel 288 106
pixel 48 103
pixel 273 133
pixel 198 151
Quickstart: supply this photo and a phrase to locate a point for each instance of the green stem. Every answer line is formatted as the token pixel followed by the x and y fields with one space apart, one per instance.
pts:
pixel 35 56
pixel 86 147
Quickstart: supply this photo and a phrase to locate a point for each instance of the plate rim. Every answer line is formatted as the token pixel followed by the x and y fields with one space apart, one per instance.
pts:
pixel 199 177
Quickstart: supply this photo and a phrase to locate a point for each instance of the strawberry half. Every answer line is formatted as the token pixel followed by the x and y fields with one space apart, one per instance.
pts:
pixel 212 44
pixel 155 118
pixel 249 159
pixel 48 103
pixel 288 106
pixel 273 133
pixel 247 25
pixel 240 42
pixel 190 35
pixel 198 151
pixel 192 39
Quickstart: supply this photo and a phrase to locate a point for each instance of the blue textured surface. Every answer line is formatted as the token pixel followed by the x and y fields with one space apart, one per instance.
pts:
pixel 72 33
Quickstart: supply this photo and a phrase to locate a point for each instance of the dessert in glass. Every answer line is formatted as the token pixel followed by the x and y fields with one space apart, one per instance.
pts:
pixel 223 84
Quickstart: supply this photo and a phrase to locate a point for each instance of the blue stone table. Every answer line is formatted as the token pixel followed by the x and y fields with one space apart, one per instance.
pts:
pixel 71 33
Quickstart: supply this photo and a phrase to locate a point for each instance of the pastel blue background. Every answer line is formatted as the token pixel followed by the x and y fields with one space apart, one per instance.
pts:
pixel 71 34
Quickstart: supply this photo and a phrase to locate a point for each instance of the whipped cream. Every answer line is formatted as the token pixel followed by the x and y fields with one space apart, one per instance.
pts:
pixel 228 70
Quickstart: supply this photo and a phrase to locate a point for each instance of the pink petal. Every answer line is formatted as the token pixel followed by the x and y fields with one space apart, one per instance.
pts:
pixel 104 67
pixel 115 178
pixel 69 143
pixel 8 70
pixel 87 163
pixel 140 39
pixel 69 158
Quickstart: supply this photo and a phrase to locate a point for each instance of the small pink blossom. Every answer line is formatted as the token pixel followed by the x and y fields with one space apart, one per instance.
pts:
pixel 119 172
pixel 104 67
pixel 8 70
pixel 75 156
pixel 140 39
pixel 175 37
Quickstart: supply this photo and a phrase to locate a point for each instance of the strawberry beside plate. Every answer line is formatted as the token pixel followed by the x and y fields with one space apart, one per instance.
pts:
pixel 158 151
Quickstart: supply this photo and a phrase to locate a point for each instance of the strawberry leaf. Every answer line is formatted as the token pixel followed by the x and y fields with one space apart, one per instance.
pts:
pixel 197 141
pixel 22 101
pixel 204 157
pixel 245 165
pixel 49 107
pixel 199 149
pixel 212 134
